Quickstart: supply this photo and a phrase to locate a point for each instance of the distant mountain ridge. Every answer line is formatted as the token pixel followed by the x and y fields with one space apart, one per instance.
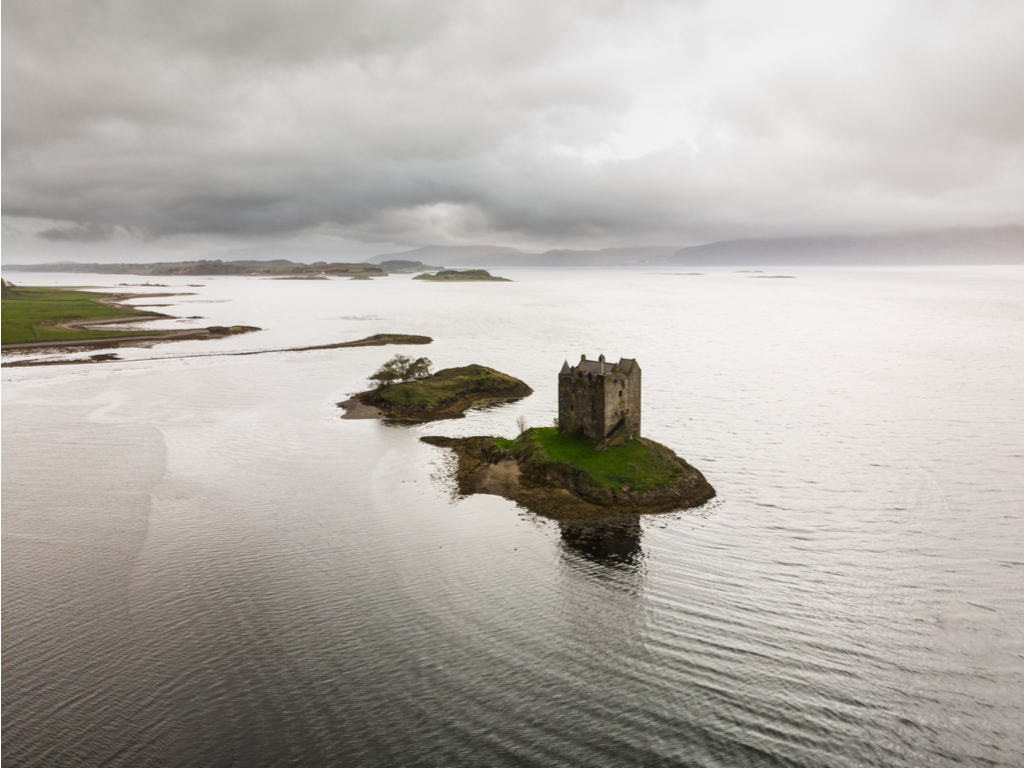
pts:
pixel 998 245
pixel 1003 245
pixel 453 254
pixel 503 256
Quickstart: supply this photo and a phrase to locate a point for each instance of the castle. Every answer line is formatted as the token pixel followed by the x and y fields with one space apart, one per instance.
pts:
pixel 600 400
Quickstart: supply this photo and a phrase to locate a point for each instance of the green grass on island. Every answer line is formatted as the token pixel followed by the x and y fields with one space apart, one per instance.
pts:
pixel 640 464
pixel 450 384
pixel 32 314
pixel 464 275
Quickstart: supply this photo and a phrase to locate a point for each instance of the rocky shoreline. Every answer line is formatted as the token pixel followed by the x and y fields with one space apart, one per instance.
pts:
pixel 369 405
pixel 485 467
pixel 142 340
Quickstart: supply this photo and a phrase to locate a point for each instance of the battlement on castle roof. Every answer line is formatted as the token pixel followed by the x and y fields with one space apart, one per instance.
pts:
pixel 599 367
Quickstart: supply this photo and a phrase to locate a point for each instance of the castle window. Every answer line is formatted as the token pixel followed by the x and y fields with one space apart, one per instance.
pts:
pixel 620 393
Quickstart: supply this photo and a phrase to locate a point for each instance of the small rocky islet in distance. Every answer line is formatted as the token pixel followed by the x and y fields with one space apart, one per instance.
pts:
pixel 594 463
pixel 462 276
pixel 400 267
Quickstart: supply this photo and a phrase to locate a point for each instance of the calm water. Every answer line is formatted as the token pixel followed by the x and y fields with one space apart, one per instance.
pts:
pixel 204 565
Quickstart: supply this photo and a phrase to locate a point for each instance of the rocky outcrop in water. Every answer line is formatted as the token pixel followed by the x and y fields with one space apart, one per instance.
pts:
pixel 484 466
pixel 449 393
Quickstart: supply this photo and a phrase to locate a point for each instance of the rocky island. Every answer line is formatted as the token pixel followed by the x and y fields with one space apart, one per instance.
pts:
pixel 408 392
pixel 593 464
pixel 462 276
pixel 566 477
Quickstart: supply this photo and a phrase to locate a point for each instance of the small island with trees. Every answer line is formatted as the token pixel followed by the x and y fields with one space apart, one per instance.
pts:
pixel 406 390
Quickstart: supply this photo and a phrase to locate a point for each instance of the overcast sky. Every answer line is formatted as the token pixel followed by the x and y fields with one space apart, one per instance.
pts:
pixel 194 126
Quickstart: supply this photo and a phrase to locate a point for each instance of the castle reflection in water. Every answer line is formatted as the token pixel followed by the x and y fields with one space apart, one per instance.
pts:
pixel 614 543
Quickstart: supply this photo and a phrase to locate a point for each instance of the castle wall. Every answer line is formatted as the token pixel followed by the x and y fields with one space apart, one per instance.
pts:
pixel 614 403
pixel 633 403
pixel 594 405
pixel 581 405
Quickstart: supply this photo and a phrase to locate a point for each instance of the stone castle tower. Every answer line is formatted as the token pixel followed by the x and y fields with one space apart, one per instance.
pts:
pixel 600 400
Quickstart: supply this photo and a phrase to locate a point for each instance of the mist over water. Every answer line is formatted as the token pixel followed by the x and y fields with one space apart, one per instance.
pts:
pixel 204 565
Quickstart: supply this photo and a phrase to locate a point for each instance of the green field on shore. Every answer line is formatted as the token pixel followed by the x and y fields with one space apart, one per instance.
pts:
pixel 32 314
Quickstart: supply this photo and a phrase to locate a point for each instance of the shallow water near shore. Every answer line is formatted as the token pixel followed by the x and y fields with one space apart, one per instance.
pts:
pixel 203 564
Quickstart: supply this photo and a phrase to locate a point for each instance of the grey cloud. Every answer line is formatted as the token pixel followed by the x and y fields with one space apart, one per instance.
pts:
pixel 576 122
pixel 90 232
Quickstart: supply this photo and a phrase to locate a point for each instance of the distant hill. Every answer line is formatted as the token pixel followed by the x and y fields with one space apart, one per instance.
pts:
pixel 999 245
pixel 278 267
pixel 606 257
pixel 993 246
pixel 457 254
pixel 1002 245
pixel 500 256
pixel 278 252
pixel 996 245
pixel 404 266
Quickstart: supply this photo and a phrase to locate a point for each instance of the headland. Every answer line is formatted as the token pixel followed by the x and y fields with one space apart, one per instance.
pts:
pixel 42 318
